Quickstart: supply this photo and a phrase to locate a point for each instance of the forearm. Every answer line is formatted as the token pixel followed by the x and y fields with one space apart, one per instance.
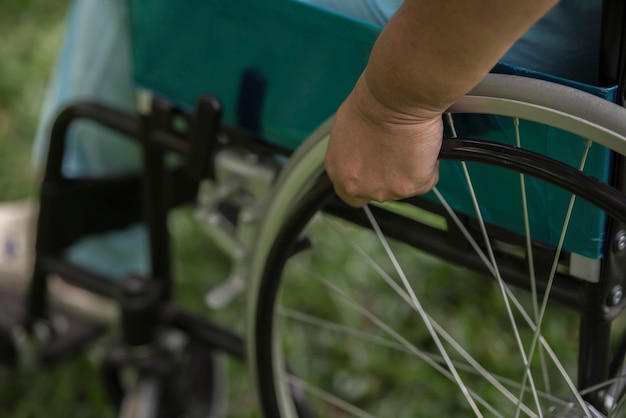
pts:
pixel 387 134
pixel 433 52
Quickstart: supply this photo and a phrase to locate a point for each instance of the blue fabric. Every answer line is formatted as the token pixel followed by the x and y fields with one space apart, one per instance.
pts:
pixel 377 12
pixel 565 42
pixel 94 64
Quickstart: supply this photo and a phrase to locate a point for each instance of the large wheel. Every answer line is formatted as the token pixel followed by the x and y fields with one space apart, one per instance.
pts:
pixel 495 296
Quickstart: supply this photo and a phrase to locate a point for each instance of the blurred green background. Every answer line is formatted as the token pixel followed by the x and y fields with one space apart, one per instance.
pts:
pixel 30 35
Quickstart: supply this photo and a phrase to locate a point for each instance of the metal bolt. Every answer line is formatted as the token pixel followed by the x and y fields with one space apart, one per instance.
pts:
pixel 616 295
pixel 620 241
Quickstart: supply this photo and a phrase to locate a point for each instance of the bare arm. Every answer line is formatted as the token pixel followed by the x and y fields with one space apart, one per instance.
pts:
pixel 387 134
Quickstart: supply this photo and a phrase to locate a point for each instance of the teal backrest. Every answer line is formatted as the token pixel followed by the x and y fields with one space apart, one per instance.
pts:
pixel 295 63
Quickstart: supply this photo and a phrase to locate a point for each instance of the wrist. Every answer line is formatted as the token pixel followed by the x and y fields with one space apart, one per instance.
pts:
pixel 384 113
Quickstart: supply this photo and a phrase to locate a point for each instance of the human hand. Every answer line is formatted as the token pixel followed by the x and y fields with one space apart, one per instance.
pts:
pixel 376 153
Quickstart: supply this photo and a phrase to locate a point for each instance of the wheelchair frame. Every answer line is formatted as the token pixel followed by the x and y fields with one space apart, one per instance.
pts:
pixel 75 208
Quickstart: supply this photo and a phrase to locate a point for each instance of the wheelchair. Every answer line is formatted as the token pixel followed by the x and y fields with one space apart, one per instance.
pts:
pixel 500 293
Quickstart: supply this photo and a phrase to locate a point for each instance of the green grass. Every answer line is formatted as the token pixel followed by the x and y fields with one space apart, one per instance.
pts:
pixel 31 32
pixel 66 390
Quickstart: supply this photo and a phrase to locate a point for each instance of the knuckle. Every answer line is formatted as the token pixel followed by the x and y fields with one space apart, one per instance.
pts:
pixel 380 196
pixel 428 184
pixel 351 187
pixel 405 189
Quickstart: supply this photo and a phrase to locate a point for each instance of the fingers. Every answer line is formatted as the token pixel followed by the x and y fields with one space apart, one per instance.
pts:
pixel 358 196
pixel 395 191
pixel 354 201
pixel 364 168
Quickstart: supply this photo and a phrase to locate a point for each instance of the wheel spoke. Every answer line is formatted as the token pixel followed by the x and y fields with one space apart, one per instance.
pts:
pixel 477 368
pixel 550 283
pixel 499 279
pixel 501 381
pixel 539 317
pixel 502 285
pixel 531 266
pixel 325 396
pixel 530 257
pixel 512 297
pixel 421 311
pixel 331 286
pixel 615 406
